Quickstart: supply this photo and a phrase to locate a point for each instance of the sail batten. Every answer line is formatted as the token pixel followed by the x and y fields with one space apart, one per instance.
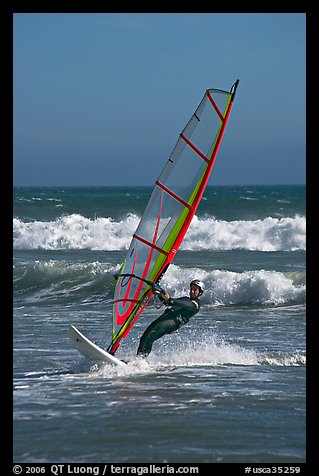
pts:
pixel 195 148
pixel 172 194
pixel 151 245
pixel 222 118
pixel 169 212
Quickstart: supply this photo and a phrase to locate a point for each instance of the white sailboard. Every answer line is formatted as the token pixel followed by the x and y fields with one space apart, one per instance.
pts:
pixel 90 350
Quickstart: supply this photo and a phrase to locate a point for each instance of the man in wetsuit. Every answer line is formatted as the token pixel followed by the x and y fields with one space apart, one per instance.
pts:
pixel 178 312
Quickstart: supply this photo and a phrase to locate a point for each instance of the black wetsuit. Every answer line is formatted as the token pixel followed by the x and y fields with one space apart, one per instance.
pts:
pixel 178 312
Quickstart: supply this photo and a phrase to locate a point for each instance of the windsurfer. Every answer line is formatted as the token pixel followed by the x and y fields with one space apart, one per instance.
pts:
pixel 178 312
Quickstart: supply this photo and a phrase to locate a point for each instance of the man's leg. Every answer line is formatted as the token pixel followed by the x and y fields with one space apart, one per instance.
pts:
pixel 155 331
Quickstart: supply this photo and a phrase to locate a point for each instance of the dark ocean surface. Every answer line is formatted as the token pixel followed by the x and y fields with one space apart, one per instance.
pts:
pixel 228 387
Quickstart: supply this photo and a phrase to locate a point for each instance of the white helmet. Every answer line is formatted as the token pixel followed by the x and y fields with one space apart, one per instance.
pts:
pixel 198 283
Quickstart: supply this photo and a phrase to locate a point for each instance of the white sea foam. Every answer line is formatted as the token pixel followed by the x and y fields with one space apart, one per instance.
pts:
pixel 77 232
pixel 210 353
pixel 270 234
pixel 256 287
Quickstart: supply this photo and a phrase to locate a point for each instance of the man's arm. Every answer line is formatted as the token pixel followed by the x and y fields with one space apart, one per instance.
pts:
pixel 183 303
pixel 164 297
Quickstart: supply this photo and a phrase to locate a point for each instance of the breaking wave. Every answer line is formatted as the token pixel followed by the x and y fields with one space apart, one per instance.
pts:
pixel 75 232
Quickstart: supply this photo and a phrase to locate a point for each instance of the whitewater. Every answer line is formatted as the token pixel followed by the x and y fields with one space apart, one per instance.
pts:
pixel 227 388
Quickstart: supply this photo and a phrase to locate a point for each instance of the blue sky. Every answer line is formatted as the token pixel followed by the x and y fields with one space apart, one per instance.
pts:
pixel 100 98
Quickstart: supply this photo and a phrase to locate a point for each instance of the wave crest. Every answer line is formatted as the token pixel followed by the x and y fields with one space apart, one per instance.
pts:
pixel 77 232
pixel 85 282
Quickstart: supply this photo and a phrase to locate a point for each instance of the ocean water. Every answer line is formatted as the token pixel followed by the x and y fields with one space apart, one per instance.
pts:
pixel 227 388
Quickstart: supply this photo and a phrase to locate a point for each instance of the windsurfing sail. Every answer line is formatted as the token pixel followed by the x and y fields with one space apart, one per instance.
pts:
pixel 172 205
